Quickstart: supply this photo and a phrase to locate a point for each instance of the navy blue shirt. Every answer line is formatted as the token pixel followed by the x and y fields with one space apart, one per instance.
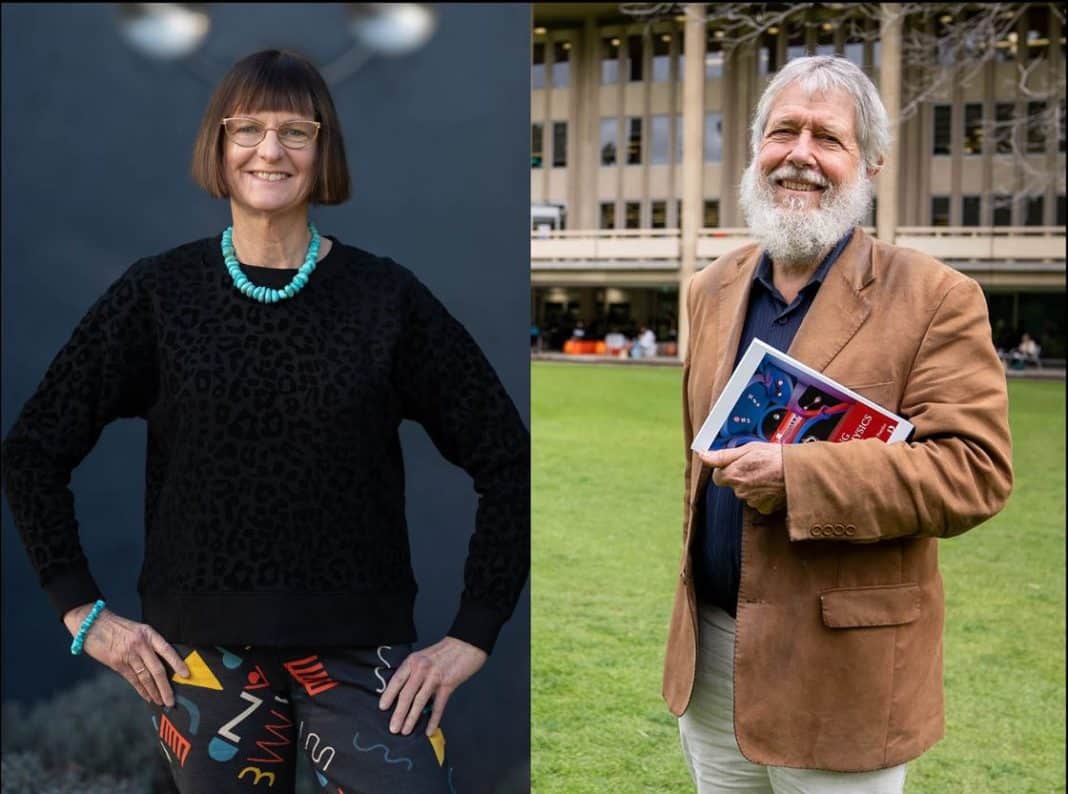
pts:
pixel 717 549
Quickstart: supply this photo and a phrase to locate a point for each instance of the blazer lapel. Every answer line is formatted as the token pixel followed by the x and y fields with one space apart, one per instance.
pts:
pixel 839 308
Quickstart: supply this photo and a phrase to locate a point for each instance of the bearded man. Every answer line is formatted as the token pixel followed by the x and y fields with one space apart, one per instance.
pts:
pixel 805 647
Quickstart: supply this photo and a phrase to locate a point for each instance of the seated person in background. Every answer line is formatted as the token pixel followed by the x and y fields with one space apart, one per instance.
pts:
pixel 1026 351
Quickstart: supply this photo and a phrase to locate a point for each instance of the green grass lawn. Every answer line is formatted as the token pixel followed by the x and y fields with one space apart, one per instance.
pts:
pixel 607 513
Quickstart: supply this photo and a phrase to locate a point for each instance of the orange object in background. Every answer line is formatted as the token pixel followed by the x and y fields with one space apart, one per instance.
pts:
pixel 583 347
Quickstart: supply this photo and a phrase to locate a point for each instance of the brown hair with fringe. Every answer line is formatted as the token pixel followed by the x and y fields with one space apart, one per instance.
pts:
pixel 273 80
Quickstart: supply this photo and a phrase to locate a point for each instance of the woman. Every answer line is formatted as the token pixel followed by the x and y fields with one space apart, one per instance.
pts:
pixel 273 366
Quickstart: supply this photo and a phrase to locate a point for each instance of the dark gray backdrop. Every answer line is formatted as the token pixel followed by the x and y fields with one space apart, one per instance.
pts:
pixel 96 145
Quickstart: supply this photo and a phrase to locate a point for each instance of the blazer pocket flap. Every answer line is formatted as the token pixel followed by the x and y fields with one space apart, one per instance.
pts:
pixel 881 605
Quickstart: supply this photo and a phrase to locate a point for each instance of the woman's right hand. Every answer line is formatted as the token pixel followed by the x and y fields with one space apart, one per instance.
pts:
pixel 132 650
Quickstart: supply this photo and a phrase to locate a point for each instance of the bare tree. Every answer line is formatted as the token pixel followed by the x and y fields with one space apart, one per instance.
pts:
pixel 942 45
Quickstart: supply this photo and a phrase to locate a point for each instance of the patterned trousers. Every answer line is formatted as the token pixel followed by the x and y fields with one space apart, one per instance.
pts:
pixel 243 714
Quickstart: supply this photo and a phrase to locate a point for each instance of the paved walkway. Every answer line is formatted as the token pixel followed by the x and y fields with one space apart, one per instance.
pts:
pixel 670 361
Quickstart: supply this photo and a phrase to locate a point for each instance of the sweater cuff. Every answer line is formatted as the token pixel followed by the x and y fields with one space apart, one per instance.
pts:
pixel 478 625
pixel 71 588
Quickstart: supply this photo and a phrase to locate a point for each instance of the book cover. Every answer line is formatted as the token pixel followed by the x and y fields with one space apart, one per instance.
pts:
pixel 775 398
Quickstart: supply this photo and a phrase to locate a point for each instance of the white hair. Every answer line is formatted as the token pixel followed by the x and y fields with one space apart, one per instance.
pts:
pixel 822 74
pixel 793 236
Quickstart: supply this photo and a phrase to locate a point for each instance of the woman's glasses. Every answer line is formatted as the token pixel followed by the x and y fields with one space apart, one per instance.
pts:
pixel 291 134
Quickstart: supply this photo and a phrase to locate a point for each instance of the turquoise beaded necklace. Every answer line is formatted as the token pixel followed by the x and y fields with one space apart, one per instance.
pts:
pixel 266 294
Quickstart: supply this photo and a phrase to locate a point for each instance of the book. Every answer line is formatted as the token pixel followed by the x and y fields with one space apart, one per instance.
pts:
pixel 775 398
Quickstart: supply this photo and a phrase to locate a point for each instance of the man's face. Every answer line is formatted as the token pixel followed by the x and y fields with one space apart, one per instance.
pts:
pixel 809 145
pixel 808 185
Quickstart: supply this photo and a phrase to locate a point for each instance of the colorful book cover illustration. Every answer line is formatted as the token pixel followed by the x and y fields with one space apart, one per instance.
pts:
pixel 775 398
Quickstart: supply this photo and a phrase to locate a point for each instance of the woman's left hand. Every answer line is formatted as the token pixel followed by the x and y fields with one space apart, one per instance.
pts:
pixel 433 672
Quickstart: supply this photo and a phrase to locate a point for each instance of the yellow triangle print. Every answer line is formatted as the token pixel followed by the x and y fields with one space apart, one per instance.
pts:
pixel 437 739
pixel 199 673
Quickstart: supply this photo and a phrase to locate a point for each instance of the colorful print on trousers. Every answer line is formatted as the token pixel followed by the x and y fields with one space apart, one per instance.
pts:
pixel 244 713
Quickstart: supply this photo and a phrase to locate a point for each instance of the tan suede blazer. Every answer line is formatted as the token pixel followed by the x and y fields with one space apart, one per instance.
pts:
pixel 838 653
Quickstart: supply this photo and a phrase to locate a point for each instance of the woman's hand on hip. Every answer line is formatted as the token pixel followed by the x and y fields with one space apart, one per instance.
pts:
pixel 434 672
pixel 132 650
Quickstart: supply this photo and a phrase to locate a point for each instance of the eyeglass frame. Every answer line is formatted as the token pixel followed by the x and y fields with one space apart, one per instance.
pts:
pixel 267 129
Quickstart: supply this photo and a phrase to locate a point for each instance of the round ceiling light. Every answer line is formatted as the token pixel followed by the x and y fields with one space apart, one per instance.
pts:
pixel 392 28
pixel 166 31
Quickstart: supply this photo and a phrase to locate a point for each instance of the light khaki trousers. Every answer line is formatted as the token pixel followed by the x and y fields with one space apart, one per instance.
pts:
pixel 711 751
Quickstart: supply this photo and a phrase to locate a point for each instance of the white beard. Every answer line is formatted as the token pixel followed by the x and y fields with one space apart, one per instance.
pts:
pixel 795 237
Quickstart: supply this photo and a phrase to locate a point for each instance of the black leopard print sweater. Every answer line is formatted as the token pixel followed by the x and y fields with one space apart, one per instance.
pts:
pixel 274 495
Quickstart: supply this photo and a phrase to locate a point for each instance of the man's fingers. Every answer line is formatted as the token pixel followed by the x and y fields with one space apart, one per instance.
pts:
pixel 719 478
pixel 440 698
pixel 722 457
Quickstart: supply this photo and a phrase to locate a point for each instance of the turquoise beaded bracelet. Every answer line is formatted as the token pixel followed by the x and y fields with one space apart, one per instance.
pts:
pixel 79 641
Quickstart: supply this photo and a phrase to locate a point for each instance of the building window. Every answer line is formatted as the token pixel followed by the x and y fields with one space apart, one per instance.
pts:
pixel 768 53
pixel 795 41
pixel 610 61
pixel 1036 127
pixel 940 210
pixel 973 128
pixel 537 68
pixel 559 144
pixel 1061 220
pixel 608 215
pixel 632 211
pixel 714 55
pixel 854 46
pixel 634 141
pixel 561 66
pixel 660 140
pixel 711 218
pixel 1038 28
pixel 1002 210
pixel 825 39
pixel 536 133
pixel 1003 123
pixel 1006 47
pixel 969 215
pixel 1035 210
pixel 713 137
pixel 659 214
pixel 634 53
pixel 941 129
pixel 661 57
pixel 609 141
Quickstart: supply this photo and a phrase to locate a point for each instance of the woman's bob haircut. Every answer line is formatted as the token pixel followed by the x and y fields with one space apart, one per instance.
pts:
pixel 273 80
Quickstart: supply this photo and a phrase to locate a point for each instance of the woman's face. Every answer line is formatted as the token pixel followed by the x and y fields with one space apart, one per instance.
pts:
pixel 270 177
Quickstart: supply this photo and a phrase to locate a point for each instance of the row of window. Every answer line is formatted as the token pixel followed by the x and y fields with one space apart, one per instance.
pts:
pixel 660 144
pixel 1034 210
pixel 1035 128
pixel 628 150
pixel 631 216
pixel 623 57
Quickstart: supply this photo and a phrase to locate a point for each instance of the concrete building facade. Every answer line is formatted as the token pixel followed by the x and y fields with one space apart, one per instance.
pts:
pixel 639 137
